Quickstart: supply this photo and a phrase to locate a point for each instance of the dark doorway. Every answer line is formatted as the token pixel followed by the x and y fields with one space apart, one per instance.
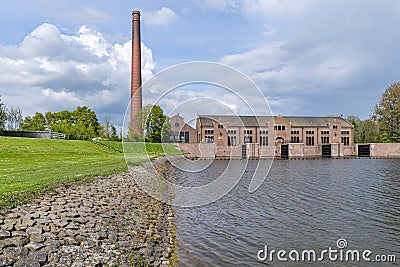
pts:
pixel 244 151
pixel 326 151
pixel 285 151
pixel 364 151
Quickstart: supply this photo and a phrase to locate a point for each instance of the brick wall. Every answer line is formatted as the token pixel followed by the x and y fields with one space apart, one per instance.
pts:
pixel 385 150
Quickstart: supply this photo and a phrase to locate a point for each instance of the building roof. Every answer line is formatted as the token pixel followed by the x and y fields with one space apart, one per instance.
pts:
pixel 255 121
pixel 251 121
pixel 317 121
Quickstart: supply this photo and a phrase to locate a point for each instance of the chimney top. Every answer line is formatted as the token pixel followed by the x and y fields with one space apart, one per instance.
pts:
pixel 136 14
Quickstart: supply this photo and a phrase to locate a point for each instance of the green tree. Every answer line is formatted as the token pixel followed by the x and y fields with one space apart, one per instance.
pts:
pixel 109 131
pixel 114 134
pixel 387 113
pixel 366 131
pixel 133 136
pixel 78 123
pixel 153 123
pixel 356 122
pixel 35 123
pixel 87 121
pixel 369 131
pixel 166 132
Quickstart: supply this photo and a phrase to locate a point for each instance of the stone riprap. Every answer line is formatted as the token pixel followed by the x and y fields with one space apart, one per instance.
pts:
pixel 108 222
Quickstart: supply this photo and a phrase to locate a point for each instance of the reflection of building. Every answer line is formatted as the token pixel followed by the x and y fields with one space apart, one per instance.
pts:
pixel 238 136
pixel 181 132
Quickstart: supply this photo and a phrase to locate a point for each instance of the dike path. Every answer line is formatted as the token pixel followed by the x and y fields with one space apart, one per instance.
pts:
pixel 107 222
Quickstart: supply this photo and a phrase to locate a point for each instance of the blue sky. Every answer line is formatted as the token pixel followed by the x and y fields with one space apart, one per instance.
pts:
pixel 308 57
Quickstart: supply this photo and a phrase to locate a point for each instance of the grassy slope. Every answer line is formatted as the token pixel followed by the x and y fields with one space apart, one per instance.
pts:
pixel 28 166
pixel 113 144
pixel 137 153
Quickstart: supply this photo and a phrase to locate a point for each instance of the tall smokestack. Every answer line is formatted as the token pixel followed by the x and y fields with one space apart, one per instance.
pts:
pixel 136 74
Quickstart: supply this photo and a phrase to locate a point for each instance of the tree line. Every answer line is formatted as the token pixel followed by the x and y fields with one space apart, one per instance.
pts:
pixel 83 123
pixel 78 124
pixel 383 126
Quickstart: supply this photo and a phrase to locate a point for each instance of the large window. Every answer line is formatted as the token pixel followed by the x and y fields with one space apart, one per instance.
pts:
pixel 209 136
pixel 346 137
pixel 309 140
pixel 325 139
pixel 174 137
pixel 346 140
pixel 209 139
pixel 231 137
pixel 184 137
pixel 248 136
pixel 279 127
pixel 248 139
pixel 295 138
pixel 263 137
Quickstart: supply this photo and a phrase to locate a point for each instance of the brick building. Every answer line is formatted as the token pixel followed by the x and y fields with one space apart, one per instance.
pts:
pixel 181 132
pixel 267 136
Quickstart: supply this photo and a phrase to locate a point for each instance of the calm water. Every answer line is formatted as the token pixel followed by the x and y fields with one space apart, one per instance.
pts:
pixel 303 204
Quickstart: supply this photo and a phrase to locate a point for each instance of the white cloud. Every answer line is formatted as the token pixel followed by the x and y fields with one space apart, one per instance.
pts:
pixel 221 5
pixel 51 71
pixel 279 67
pixel 320 56
pixel 161 17
pixel 267 58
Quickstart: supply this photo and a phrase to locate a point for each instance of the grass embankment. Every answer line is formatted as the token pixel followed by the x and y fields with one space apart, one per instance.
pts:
pixel 30 166
pixel 137 153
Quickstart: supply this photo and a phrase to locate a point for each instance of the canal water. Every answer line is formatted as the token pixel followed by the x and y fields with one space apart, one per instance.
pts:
pixel 302 205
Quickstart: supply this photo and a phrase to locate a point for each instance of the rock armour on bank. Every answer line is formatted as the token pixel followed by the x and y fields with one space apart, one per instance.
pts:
pixel 108 222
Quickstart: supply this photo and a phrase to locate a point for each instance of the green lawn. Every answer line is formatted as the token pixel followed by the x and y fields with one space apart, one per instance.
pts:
pixel 137 153
pixel 28 166
pixel 113 144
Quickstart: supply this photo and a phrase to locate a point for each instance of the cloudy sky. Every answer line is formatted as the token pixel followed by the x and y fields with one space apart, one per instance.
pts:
pixel 308 57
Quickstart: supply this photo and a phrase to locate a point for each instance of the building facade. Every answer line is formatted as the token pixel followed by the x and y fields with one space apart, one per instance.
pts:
pixel 267 136
pixel 181 132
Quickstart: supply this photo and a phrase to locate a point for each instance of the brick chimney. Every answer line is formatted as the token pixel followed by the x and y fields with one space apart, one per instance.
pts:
pixel 136 74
